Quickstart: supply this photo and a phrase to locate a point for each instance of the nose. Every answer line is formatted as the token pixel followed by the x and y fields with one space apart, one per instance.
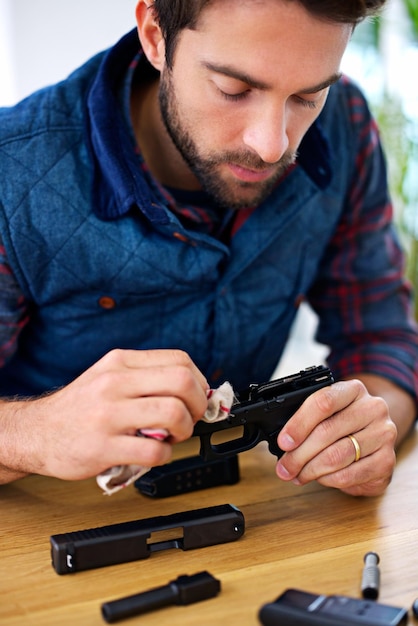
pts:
pixel 266 134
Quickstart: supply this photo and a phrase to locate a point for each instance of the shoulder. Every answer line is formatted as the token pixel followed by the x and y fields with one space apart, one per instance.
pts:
pixel 53 108
pixel 347 119
pixel 43 137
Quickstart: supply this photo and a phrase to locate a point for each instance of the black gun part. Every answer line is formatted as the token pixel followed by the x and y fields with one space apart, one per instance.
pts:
pixel 120 543
pixel 300 608
pixel 261 411
pixel 188 474
pixel 182 591
pixel 370 580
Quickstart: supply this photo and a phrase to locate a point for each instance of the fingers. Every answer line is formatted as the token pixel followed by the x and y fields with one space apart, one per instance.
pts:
pixel 143 451
pixel 317 415
pixel 154 373
pixel 85 444
pixel 142 359
pixel 92 423
pixel 319 447
pixel 368 477
pixel 154 412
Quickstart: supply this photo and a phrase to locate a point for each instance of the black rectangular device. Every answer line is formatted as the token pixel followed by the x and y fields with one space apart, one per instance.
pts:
pixel 189 474
pixel 130 541
pixel 300 608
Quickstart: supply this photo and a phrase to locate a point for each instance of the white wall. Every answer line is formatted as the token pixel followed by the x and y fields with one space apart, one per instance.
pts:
pixel 7 75
pixel 42 41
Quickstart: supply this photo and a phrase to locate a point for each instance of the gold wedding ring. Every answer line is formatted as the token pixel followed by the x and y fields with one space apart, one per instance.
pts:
pixel 356 447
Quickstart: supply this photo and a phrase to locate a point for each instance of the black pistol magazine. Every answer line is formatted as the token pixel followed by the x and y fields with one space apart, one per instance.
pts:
pixel 188 474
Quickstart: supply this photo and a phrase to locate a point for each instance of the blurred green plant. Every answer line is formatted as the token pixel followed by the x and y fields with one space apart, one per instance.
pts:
pixel 412 11
pixel 400 139
pixel 399 147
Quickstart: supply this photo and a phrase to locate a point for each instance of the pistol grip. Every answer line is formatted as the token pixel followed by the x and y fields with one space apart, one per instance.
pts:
pixel 206 451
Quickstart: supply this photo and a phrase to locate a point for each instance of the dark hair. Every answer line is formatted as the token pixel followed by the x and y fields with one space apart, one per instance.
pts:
pixel 174 16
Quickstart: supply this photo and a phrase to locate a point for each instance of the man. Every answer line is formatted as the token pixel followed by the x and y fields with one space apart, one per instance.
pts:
pixel 163 212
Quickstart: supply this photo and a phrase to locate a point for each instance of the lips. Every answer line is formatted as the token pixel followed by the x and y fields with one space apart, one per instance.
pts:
pixel 250 176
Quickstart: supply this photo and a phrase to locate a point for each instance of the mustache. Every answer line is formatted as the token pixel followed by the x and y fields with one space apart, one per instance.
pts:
pixel 252 161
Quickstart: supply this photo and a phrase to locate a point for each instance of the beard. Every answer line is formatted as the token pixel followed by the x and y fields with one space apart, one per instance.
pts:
pixel 233 194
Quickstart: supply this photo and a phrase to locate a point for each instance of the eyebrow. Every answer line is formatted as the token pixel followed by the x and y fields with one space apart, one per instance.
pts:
pixel 231 72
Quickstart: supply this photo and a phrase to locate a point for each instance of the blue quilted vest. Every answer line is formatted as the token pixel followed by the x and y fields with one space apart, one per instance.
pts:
pixel 103 263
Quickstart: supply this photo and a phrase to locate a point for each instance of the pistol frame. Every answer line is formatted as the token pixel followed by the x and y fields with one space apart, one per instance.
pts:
pixel 262 411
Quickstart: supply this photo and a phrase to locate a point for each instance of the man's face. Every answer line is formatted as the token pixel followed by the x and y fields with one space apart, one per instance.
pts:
pixel 254 179
pixel 244 88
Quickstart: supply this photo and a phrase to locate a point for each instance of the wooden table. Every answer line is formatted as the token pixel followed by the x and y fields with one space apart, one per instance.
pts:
pixel 311 538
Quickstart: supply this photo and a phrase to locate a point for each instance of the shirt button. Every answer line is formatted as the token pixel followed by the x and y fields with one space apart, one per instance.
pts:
pixel 184 239
pixel 106 302
pixel 180 237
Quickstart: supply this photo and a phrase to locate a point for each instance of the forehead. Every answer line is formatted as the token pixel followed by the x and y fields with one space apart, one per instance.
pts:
pixel 264 38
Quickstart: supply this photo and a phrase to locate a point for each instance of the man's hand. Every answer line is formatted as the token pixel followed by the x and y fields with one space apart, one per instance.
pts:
pixel 90 425
pixel 318 447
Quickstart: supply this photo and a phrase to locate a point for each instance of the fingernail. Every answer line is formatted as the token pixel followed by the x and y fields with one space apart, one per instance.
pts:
pixel 287 441
pixel 282 471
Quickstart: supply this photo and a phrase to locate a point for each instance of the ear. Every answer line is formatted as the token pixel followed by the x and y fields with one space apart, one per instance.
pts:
pixel 150 34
